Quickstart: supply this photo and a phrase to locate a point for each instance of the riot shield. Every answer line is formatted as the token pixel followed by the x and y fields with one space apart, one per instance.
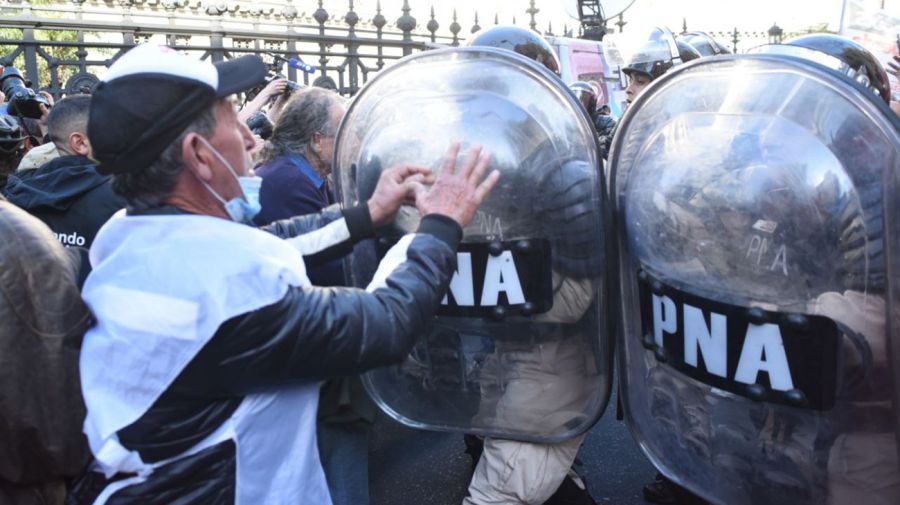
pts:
pixel 519 348
pixel 755 363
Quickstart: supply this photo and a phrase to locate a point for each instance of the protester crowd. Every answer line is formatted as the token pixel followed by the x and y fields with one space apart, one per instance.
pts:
pixel 175 315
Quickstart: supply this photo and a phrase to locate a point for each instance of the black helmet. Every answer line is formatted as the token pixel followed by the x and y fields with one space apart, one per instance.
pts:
pixel 656 55
pixel 585 94
pixel 840 54
pixel 704 43
pixel 686 51
pixel 11 137
pixel 525 42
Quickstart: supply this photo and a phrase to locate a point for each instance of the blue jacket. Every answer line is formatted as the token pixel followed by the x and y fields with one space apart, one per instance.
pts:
pixel 291 187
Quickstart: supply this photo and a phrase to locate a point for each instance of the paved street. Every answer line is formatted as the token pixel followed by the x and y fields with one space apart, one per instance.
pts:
pixel 412 467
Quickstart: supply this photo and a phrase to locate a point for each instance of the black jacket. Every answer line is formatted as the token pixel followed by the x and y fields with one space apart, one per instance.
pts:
pixel 69 196
pixel 312 333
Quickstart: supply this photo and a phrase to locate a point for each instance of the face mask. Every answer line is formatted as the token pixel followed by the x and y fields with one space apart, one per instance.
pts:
pixel 240 210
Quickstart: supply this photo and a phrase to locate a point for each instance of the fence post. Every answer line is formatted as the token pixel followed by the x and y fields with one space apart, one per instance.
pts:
pixel 321 16
pixel 532 10
pixel 406 24
pixel 621 23
pixel 432 25
pixel 351 18
pixel 31 67
pixel 379 21
pixel 454 29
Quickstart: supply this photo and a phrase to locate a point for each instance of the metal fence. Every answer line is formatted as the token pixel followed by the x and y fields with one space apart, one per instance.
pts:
pixel 65 46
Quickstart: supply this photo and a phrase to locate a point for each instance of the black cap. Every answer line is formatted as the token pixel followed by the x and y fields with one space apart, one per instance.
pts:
pixel 150 95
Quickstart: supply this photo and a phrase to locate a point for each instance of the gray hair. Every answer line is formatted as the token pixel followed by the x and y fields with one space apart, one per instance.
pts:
pixel 306 113
pixel 145 189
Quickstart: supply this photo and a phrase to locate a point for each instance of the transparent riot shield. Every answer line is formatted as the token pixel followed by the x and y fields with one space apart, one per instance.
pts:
pixel 519 347
pixel 755 365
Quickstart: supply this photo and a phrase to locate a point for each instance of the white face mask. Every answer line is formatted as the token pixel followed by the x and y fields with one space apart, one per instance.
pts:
pixel 240 210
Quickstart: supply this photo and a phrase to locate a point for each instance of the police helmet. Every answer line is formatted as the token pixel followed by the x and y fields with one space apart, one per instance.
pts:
pixel 686 51
pixel 525 42
pixel 840 54
pixel 585 94
pixel 656 55
pixel 704 43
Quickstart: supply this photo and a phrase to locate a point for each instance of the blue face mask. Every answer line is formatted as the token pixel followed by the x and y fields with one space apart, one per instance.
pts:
pixel 240 210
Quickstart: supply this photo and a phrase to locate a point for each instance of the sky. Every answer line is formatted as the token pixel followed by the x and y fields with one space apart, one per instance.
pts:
pixel 707 15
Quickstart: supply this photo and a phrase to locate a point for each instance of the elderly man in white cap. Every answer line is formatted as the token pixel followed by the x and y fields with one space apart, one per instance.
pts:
pixel 201 377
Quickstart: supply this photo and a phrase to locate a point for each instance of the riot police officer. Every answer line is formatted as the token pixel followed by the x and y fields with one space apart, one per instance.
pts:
pixel 757 227
pixel 648 60
pixel 519 352
pixel 603 122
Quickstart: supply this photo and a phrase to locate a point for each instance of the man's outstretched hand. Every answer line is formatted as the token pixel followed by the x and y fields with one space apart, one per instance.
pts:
pixel 396 186
pixel 458 191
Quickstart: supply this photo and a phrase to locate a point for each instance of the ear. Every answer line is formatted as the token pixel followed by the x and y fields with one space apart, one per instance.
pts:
pixel 79 144
pixel 196 157
pixel 315 142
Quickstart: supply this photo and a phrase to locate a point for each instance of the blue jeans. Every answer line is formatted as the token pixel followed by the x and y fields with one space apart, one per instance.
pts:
pixel 344 451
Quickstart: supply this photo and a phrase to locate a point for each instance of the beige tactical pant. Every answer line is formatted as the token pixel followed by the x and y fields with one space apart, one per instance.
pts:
pixel 546 387
pixel 511 472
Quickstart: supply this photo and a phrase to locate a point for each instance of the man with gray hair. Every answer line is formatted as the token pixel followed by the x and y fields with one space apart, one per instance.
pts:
pixel 201 376
pixel 295 163
pixel 295 171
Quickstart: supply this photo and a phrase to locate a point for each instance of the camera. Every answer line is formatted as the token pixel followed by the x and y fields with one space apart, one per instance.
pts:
pixel 291 85
pixel 21 99
pixel 275 73
pixel 260 124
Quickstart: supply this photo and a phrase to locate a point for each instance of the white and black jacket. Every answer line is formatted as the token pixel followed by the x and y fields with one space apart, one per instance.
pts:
pixel 201 376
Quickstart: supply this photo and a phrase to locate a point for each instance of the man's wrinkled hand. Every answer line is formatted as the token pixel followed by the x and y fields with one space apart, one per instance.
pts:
pixel 457 192
pixel 396 186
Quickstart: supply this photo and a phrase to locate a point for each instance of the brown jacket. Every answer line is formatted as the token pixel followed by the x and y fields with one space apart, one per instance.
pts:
pixel 42 321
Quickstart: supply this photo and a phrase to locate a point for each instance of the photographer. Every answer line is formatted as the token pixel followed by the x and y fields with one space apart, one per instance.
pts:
pixel 30 110
pixel 24 102
pixel 273 91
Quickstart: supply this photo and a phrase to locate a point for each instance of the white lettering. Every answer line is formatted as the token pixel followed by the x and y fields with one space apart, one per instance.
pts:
pixel 782 255
pixel 665 319
pixel 487 224
pixel 71 239
pixel 461 284
pixel 755 244
pixel 713 344
pixel 501 275
pixel 764 351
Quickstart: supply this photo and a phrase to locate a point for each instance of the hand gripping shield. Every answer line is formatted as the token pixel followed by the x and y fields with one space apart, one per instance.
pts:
pixel 758 357
pixel 519 347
